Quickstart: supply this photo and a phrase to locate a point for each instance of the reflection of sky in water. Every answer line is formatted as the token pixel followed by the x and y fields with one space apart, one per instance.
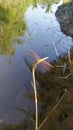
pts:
pixel 44 29
pixel 15 77
pixel 14 83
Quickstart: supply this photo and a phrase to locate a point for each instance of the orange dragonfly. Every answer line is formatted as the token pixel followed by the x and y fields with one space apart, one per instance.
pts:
pixel 45 64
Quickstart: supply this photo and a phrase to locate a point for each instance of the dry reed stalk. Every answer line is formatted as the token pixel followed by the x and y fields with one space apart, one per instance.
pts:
pixel 35 90
pixel 66 77
pixel 55 49
pixel 53 109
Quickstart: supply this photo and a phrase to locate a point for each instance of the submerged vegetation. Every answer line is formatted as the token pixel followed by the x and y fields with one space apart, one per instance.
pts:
pixel 55 98
pixel 55 94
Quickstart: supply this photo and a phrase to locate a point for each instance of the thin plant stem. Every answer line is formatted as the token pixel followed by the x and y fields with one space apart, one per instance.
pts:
pixel 70 62
pixel 35 92
pixel 53 110
pixel 56 51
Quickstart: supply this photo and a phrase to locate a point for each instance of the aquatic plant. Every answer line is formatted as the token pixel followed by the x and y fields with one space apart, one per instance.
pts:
pixel 44 64
pixel 62 96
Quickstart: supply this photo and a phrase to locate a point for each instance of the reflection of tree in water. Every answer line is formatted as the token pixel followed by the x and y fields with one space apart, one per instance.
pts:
pixel 12 25
pixel 3 15
pixel 47 3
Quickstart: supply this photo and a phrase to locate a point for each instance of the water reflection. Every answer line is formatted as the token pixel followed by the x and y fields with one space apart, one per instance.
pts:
pixel 47 30
pixel 11 26
pixel 30 25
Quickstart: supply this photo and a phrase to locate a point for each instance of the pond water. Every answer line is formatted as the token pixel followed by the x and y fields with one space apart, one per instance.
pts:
pixel 42 29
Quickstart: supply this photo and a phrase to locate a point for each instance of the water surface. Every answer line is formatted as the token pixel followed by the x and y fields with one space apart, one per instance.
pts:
pixel 40 31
